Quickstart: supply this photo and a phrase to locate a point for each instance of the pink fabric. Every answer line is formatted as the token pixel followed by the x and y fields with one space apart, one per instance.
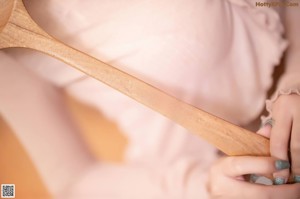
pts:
pixel 215 54
pixel 288 84
pixel 35 112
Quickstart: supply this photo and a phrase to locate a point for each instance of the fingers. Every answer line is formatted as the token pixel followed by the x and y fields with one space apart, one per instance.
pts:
pixel 265 130
pixel 279 141
pixel 237 166
pixel 291 191
pixel 295 149
pixel 224 176
pixel 239 189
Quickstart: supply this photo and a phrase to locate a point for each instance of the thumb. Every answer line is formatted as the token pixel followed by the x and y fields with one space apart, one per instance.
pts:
pixel 238 166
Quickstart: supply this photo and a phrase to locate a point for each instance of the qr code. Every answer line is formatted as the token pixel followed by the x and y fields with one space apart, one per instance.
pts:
pixel 8 191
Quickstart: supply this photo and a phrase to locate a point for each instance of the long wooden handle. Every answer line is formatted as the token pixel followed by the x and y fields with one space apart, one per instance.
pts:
pixel 227 137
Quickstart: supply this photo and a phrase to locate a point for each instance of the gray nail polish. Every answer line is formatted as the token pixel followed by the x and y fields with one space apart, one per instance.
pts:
pixel 253 178
pixel 260 180
pixel 261 125
pixel 279 181
pixel 282 164
pixel 297 179
pixel 269 122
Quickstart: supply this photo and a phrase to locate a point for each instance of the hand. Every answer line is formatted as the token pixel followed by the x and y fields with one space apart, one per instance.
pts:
pixel 284 134
pixel 226 179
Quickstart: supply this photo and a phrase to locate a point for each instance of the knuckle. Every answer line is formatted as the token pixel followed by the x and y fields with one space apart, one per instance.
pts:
pixel 231 161
pixel 215 187
pixel 236 165
pixel 215 191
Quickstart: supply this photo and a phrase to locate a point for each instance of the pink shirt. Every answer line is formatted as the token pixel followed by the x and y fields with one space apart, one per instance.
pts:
pixel 218 55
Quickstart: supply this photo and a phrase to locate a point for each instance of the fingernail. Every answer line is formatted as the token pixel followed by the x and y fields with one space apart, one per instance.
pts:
pixel 261 125
pixel 269 121
pixel 253 178
pixel 297 179
pixel 260 180
pixel 282 164
pixel 279 181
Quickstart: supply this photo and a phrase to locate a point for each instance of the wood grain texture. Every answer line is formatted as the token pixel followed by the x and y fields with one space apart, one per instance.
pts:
pixel 6 8
pixel 21 31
